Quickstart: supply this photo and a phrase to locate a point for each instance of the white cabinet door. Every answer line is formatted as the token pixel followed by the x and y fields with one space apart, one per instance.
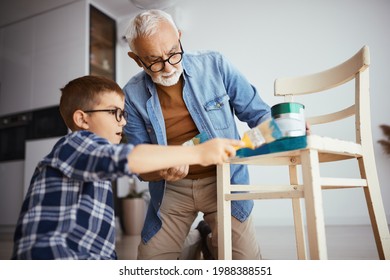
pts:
pixel 60 52
pixel 15 72
pixel 40 55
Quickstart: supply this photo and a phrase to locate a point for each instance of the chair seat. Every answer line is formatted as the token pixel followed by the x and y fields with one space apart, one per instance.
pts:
pixel 280 145
pixel 330 149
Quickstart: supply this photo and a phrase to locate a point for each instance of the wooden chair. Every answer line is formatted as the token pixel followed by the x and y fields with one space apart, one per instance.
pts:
pixel 309 152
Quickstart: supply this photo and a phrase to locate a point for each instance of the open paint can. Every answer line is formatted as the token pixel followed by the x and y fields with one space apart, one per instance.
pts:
pixel 290 118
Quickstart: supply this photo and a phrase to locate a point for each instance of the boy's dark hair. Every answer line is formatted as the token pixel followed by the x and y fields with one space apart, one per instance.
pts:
pixel 83 94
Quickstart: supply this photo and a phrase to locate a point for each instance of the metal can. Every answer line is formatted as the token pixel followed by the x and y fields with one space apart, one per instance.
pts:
pixel 290 118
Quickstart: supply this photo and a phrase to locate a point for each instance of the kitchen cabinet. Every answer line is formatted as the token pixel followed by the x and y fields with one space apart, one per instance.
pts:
pixel 102 44
pixel 16 58
pixel 59 52
pixel 39 55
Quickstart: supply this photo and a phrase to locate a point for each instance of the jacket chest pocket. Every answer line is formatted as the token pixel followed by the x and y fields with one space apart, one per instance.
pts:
pixel 219 112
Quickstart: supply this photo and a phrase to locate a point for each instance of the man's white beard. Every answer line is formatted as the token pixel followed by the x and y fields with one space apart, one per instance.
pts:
pixel 167 82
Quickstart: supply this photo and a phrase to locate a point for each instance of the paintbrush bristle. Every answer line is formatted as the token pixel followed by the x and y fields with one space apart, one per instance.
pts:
pixel 265 132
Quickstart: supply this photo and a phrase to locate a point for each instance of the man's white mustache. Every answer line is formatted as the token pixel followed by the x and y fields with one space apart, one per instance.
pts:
pixel 168 74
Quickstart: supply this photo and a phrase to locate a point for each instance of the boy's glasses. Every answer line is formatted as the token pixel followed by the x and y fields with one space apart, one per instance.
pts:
pixel 118 112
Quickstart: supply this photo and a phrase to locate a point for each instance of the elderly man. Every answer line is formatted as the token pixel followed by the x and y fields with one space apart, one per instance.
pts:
pixel 177 96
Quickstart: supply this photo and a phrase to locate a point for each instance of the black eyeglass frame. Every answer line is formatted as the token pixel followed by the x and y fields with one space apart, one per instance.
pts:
pixel 164 61
pixel 118 112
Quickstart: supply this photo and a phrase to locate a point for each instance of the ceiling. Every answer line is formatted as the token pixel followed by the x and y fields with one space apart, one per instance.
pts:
pixel 117 8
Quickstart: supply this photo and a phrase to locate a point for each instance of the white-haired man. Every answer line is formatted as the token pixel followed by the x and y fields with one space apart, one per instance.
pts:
pixel 177 96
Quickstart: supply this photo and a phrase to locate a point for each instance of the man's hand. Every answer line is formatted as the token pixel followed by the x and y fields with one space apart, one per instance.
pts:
pixel 174 173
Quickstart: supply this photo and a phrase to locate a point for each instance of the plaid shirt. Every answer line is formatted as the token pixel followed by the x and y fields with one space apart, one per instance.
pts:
pixel 68 211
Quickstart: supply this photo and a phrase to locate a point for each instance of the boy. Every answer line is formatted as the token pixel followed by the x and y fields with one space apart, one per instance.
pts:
pixel 68 211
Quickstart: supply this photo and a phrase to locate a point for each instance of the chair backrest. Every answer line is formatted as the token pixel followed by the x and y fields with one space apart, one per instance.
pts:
pixel 357 67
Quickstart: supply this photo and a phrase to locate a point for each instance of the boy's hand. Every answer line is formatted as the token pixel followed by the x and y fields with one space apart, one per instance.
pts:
pixel 218 151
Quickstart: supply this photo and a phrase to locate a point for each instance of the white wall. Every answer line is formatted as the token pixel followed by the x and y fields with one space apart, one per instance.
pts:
pixel 270 39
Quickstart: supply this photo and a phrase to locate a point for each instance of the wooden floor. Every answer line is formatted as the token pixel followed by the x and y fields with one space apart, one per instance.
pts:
pixel 277 243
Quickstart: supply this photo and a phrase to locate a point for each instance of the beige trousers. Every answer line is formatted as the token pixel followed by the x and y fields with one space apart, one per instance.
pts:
pixel 182 201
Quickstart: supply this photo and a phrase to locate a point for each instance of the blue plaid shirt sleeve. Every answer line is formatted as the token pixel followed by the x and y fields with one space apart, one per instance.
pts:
pixel 90 158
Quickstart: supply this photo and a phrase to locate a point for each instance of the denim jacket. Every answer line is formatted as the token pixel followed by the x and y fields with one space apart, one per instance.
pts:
pixel 214 92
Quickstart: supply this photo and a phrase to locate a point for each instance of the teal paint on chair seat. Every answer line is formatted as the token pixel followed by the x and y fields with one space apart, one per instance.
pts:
pixel 280 145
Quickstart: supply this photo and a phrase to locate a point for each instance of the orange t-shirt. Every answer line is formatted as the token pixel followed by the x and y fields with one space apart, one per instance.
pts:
pixel 179 125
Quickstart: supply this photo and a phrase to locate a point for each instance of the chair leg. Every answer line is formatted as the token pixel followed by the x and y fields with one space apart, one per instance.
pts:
pixel 224 213
pixel 375 207
pixel 313 202
pixel 297 213
pixel 299 229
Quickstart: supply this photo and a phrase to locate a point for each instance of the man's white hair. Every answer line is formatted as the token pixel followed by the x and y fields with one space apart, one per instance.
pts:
pixel 145 24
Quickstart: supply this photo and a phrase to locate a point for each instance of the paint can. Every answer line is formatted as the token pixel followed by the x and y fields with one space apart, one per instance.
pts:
pixel 290 117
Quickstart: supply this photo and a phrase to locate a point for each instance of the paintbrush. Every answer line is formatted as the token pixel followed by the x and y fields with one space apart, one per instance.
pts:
pixel 265 132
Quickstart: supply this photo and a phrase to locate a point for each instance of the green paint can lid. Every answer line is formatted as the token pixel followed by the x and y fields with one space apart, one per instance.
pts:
pixel 286 108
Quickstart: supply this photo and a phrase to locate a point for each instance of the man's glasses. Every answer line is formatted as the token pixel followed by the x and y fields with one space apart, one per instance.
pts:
pixel 119 113
pixel 158 66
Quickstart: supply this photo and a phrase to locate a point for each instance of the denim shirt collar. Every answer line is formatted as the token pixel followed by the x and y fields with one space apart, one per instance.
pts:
pixel 187 66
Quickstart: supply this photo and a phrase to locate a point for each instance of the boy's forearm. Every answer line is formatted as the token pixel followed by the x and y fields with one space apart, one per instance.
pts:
pixel 146 158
